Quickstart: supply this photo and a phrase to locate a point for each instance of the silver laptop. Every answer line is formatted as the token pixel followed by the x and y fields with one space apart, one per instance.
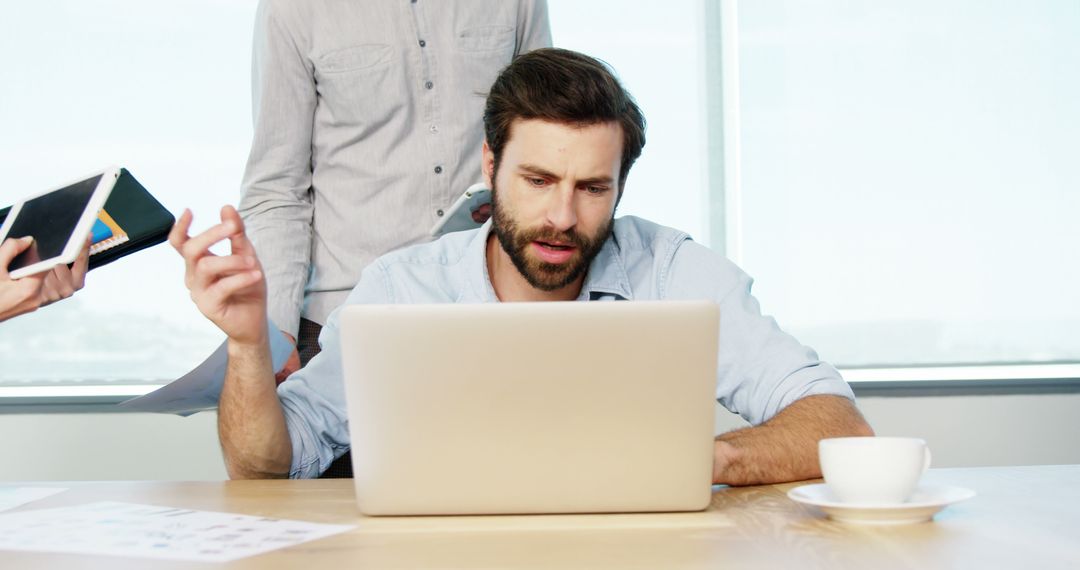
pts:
pixel 531 407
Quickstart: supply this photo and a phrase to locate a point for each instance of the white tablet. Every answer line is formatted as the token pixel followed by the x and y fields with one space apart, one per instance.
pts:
pixel 459 216
pixel 59 221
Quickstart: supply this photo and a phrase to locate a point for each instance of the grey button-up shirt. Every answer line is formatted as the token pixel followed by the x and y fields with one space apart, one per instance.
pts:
pixel 367 125
pixel 761 369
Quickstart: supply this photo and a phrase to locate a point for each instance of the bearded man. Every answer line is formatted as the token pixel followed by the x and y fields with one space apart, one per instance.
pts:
pixel 561 135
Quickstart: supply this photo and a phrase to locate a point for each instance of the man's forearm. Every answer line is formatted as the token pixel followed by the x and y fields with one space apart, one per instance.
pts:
pixel 251 424
pixel 785 447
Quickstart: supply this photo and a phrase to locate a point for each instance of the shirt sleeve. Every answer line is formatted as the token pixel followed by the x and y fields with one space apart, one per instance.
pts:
pixel 761 369
pixel 275 198
pixel 313 398
pixel 534 29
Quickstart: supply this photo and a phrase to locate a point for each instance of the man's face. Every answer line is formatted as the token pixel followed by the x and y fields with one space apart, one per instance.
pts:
pixel 554 197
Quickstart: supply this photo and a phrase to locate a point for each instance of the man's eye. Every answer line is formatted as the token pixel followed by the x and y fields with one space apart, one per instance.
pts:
pixel 596 189
pixel 537 181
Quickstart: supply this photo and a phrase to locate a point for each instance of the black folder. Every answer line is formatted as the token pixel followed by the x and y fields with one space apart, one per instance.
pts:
pixel 143 219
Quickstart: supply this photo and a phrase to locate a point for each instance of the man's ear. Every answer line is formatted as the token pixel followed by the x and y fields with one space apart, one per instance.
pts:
pixel 487 165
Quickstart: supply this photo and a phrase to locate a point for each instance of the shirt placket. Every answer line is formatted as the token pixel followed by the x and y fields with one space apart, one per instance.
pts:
pixel 431 109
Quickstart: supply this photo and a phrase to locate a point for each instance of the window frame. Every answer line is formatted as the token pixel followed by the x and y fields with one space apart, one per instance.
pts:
pixel 720 69
pixel 720 62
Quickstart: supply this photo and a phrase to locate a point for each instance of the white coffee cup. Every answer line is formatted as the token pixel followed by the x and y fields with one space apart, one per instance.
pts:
pixel 873 470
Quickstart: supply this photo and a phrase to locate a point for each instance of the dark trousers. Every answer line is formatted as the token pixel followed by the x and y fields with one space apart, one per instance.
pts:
pixel 307 344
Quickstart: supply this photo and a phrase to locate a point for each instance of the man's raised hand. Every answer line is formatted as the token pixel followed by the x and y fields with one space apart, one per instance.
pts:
pixel 228 289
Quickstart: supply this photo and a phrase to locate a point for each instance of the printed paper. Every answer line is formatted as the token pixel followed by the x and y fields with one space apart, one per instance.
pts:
pixel 147 531
pixel 11 497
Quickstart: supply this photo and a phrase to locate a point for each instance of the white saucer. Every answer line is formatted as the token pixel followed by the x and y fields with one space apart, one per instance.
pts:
pixel 923 505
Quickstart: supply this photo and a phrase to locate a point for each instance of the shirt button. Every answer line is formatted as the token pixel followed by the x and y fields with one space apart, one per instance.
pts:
pixel 429 85
pixel 439 213
pixel 438 170
pixel 434 129
pixel 423 43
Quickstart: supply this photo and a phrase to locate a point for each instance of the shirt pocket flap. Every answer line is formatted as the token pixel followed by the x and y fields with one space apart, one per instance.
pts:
pixel 353 58
pixel 486 38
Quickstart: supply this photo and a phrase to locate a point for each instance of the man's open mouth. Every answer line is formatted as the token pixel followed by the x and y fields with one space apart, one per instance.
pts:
pixel 555 246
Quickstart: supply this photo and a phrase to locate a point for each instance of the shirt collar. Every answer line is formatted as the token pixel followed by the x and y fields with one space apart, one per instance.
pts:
pixel 607 275
pixel 478 289
pixel 606 278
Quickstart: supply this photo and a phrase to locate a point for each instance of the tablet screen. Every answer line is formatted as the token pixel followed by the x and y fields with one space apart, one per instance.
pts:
pixel 51 218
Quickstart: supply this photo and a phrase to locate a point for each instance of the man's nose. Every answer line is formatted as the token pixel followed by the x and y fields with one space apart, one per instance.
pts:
pixel 562 210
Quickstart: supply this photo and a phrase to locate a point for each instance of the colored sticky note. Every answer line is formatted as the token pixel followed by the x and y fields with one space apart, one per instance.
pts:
pixel 100 232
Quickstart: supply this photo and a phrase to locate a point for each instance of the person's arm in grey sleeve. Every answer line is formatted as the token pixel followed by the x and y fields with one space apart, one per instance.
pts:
pixel 792 398
pixel 314 397
pixel 533 29
pixel 276 201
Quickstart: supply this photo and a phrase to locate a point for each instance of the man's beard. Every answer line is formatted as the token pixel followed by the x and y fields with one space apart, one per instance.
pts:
pixel 543 275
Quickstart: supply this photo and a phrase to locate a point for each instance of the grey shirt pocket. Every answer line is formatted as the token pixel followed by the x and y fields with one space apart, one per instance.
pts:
pixel 486 39
pixel 359 88
pixel 354 58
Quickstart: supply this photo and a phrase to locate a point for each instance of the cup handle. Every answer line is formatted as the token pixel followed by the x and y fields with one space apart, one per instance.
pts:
pixel 926 461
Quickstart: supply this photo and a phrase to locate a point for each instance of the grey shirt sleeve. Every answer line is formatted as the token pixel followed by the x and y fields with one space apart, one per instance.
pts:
pixel 534 29
pixel 276 199
pixel 761 369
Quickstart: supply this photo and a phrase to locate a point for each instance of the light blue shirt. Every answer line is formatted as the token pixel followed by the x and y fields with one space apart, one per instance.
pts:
pixel 761 368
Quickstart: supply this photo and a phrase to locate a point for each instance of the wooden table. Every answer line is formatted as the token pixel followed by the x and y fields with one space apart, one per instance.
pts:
pixel 1023 517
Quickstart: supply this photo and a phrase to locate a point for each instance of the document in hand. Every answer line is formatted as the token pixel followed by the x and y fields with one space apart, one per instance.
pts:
pixel 200 389
pixel 131 220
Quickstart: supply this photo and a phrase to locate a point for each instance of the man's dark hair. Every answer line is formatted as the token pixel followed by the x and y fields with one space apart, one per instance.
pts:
pixel 567 87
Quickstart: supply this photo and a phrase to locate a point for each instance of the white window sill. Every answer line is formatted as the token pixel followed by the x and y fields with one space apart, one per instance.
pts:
pixel 1005 372
pixel 878 381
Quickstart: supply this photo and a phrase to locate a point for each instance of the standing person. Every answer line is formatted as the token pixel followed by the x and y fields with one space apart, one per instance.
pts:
pixel 367 124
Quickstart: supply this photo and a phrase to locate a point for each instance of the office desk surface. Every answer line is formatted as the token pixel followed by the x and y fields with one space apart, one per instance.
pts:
pixel 1022 517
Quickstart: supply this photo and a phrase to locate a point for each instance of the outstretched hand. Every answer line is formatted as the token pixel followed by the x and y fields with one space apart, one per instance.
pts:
pixel 228 289
pixel 62 281
pixel 22 295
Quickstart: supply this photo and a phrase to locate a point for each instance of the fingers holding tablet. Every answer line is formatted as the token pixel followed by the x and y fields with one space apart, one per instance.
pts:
pixel 470 211
pixel 57 236
pixel 81 265
pixel 28 293
pixel 9 249
pixel 22 295
pixel 59 221
pixel 62 281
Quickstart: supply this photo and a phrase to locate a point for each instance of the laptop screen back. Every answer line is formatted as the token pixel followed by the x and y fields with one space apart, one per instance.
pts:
pixel 531 407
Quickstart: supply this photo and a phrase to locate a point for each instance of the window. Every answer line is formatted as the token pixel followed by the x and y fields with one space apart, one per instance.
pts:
pixel 163 89
pixel 901 176
pixel 654 47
